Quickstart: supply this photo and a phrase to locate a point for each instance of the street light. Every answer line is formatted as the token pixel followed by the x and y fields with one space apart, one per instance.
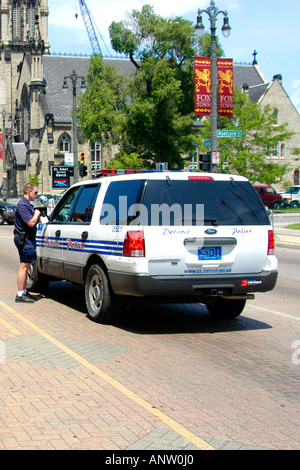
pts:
pixel 212 11
pixel 4 179
pixel 74 78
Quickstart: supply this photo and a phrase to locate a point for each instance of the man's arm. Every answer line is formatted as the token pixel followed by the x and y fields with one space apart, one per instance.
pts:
pixel 34 220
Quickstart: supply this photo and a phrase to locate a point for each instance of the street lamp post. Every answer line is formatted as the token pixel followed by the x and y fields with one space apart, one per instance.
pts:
pixel 74 78
pixel 4 184
pixel 212 12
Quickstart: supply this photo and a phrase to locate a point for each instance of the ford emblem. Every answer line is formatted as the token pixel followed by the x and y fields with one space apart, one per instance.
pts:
pixel 211 231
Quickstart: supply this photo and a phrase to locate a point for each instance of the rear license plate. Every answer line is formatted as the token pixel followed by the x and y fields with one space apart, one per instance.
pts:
pixel 210 253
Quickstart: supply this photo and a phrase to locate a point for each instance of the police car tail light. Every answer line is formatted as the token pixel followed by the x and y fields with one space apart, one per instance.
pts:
pixel 271 242
pixel 134 244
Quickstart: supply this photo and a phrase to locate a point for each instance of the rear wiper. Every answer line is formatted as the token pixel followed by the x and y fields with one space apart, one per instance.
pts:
pixel 213 220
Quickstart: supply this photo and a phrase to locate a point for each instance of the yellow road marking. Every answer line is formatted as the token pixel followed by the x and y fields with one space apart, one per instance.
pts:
pixel 10 327
pixel 160 415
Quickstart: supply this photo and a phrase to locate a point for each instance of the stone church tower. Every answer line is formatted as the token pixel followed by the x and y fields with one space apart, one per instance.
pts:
pixel 23 42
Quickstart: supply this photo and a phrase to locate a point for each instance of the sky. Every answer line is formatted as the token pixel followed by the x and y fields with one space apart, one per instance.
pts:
pixel 270 27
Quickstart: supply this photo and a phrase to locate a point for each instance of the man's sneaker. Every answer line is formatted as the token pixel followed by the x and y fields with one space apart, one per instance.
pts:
pixel 24 298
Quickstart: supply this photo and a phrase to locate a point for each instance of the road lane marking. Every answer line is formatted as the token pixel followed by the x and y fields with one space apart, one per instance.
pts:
pixel 160 415
pixel 8 325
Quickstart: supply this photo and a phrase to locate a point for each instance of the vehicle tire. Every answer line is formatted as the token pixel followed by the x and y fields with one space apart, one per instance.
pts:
pixel 2 220
pixel 294 204
pixel 226 308
pixel 276 205
pixel 101 303
pixel 36 281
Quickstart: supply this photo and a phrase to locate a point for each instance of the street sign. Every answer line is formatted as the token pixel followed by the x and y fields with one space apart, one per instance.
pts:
pixel 215 158
pixel 69 159
pixel 60 177
pixel 226 133
pixel 207 143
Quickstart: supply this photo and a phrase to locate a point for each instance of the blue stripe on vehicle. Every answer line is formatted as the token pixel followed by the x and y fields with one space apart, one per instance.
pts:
pixel 90 246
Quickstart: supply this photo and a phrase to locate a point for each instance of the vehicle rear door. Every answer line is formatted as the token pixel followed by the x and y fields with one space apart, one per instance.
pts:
pixel 204 227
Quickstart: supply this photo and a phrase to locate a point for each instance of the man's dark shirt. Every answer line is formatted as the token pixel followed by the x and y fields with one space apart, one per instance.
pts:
pixel 23 214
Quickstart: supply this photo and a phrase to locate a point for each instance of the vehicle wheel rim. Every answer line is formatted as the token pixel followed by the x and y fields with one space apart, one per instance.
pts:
pixel 96 293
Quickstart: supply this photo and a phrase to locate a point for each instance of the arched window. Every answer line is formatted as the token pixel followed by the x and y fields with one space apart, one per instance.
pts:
pixel 30 18
pixel 17 31
pixel 25 115
pixel 275 115
pixel 64 144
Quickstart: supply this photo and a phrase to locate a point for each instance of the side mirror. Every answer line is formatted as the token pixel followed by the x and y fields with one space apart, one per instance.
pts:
pixel 43 200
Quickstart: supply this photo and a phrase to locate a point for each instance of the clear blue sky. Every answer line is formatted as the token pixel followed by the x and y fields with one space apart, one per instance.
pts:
pixel 271 27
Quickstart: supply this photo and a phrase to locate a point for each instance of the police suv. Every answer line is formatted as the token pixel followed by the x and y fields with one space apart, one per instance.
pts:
pixel 164 236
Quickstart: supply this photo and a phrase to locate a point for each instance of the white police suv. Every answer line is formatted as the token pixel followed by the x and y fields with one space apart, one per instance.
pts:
pixel 163 236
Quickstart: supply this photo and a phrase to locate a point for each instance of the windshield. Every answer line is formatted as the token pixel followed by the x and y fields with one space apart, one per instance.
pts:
pixel 293 190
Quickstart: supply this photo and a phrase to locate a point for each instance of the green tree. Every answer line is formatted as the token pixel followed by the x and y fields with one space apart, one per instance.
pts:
pixel 125 161
pixel 34 179
pixel 101 110
pixel 246 155
pixel 160 115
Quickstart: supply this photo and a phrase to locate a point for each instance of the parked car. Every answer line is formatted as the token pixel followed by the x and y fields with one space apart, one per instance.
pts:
pixel 291 197
pixel 7 212
pixel 269 196
pixel 162 236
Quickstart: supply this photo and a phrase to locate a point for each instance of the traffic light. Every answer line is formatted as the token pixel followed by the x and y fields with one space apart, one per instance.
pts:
pixel 82 166
pixel 205 161
pixel 83 170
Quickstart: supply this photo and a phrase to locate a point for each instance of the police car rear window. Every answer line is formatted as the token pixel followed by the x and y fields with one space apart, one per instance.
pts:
pixel 215 202
pixel 177 202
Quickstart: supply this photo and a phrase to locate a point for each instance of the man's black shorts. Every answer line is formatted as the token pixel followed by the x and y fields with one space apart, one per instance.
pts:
pixel 27 252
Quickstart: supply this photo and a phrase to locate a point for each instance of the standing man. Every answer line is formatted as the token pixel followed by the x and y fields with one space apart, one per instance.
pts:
pixel 26 218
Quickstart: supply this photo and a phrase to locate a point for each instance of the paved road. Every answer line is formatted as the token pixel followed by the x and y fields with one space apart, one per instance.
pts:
pixel 167 377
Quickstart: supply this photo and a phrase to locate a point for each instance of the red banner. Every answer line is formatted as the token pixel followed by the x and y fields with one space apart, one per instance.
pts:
pixel 225 76
pixel 202 67
pixel 1 146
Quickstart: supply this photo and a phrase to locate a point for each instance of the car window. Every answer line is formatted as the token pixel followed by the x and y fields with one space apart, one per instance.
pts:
pixel 293 190
pixel 77 206
pixel 120 202
pixel 62 211
pixel 83 208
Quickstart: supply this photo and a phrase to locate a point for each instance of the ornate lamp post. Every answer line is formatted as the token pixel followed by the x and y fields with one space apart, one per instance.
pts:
pixel 212 11
pixel 74 78
pixel 4 184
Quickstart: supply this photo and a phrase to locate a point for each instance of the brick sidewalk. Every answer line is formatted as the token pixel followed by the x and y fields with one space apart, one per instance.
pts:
pixel 230 385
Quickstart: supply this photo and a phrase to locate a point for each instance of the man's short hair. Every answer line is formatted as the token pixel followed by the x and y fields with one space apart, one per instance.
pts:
pixel 29 187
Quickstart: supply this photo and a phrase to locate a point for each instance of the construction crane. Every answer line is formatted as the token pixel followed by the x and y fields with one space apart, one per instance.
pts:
pixel 89 25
